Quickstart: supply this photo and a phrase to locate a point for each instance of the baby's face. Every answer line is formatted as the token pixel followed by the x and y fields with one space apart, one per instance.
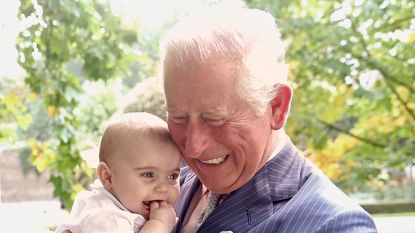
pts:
pixel 146 171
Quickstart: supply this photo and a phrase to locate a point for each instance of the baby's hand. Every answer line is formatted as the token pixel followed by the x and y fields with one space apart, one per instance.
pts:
pixel 163 212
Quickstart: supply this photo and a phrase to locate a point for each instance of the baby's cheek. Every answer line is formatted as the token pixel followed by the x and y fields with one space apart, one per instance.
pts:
pixel 175 195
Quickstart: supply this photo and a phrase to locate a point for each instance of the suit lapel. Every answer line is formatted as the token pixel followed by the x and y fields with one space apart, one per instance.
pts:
pixel 245 207
pixel 189 185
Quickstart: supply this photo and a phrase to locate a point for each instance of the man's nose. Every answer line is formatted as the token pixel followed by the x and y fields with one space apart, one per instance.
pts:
pixel 196 139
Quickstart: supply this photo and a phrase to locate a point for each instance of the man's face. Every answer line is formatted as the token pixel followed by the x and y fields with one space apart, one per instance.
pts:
pixel 220 137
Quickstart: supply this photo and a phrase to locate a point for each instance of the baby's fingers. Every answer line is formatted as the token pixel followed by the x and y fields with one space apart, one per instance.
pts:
pixel 163 204
pixel 154 205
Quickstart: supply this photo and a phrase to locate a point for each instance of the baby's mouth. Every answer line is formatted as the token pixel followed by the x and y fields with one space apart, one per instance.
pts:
pixel 146 205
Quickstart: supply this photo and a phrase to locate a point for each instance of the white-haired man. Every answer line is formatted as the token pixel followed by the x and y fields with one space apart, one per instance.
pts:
pixel 228 99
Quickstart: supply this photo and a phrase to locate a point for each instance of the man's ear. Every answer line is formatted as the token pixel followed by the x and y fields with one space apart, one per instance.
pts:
pixel 105 175
pixel 280 106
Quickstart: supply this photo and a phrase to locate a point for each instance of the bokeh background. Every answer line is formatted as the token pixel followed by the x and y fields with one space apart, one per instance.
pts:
pixel 67 66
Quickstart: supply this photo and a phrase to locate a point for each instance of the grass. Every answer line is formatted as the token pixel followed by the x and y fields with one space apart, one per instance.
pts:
pixel 394 214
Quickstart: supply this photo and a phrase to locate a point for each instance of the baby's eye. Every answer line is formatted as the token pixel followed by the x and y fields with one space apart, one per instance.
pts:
pixel 148 174
pixel 174 176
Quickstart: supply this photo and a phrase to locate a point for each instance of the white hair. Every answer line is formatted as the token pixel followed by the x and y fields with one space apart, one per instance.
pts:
pixel 247 37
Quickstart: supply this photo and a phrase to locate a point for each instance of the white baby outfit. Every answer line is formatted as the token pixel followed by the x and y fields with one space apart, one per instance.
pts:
pixel 98 210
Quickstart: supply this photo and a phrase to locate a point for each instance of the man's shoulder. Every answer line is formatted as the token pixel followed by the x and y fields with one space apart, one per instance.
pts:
pixel 320 190
pixel 294 176
pixel 312 202
pixel 315 218
pixel 320 204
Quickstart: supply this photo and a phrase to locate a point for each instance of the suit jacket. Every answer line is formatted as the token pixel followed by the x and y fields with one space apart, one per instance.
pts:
pixel 288 194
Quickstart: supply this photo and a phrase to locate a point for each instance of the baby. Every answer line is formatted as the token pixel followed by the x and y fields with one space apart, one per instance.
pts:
pixel 138 180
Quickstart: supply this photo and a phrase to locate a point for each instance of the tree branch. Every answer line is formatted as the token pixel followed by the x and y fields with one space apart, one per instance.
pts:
pixel 371 61
pixel 365 140
pixel 400 99
pixel 394 23
pixel 385 74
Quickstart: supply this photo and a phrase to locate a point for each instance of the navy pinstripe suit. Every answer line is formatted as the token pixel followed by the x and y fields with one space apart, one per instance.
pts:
pixel 289 194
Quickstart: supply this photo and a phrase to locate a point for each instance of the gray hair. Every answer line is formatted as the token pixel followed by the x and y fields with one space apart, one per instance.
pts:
pixel 247 37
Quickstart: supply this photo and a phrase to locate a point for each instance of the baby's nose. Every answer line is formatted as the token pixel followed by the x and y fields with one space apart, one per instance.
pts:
pixel 162 187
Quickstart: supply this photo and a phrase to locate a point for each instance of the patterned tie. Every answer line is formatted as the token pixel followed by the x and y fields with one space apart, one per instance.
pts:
pixel 212 203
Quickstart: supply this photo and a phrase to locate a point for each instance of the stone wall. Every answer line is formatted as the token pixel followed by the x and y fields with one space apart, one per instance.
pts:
pixel 21 182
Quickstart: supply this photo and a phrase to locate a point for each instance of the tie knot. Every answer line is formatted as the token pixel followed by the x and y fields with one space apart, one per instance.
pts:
pixel 213 200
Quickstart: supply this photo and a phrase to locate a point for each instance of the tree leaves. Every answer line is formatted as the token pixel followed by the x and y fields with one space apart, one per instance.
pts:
pixel 351 60
pixel 60 35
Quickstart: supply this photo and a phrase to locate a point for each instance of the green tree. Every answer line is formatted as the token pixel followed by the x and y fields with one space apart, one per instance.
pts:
pixel 60 37
pixel 353 69
pixel 13 111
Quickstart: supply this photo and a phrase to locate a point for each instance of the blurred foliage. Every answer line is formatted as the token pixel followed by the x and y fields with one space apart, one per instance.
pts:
pixel 146 96
pixel 61 36
pixel 13 109
pixel 352 67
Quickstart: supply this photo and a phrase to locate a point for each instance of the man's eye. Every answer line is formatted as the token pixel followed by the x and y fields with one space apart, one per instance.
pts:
pixel 174 176
pixel 148 174
pixel 178 120
pixel 215 122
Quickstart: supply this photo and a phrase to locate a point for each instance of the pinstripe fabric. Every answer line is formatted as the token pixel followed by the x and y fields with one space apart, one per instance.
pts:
pixel 287 195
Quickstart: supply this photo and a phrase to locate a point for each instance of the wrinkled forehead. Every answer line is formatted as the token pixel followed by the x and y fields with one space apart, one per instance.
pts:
pixel 222 64
pixel 211 75
pixel 191 60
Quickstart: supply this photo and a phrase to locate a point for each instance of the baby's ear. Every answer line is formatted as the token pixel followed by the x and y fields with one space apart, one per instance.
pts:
pixel 104 175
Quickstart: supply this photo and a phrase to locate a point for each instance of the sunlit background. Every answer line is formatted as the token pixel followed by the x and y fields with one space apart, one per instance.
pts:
pixel 68 66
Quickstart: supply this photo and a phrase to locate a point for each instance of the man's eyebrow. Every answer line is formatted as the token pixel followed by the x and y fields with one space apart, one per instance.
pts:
pixel 170 109
pixel 216 113
pixel 175 112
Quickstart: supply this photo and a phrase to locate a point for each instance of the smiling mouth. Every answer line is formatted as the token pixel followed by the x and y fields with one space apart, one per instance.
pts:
pixel 215 161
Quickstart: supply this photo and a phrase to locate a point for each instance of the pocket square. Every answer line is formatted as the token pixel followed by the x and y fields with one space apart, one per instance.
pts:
pixel 226 232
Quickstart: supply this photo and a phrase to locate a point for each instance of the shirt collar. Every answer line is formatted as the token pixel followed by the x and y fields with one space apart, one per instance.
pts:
pixel 282 140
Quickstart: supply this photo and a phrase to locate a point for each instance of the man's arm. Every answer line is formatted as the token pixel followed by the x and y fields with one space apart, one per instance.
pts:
pixel 349 221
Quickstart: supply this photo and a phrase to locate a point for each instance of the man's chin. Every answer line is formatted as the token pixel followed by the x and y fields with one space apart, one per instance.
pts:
pixel 218 187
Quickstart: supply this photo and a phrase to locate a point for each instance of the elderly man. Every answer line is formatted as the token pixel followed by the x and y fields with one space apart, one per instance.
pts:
pixel 228 99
